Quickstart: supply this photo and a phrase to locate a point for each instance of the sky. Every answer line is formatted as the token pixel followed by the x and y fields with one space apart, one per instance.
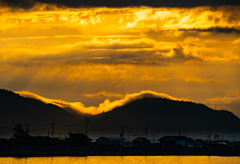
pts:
pixel 91 56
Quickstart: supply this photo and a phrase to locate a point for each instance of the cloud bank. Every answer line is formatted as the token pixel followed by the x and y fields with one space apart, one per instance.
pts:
pixel 107 105
pixel 91 54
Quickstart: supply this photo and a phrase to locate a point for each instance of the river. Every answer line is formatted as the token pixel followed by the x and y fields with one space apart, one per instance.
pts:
pixel 123 160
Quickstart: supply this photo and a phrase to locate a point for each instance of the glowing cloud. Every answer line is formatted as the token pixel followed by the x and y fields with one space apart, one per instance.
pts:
pixel 107 105
pixel 73 53
pixel 105 93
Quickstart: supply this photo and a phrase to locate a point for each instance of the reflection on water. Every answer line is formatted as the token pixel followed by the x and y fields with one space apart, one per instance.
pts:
pixel 124 159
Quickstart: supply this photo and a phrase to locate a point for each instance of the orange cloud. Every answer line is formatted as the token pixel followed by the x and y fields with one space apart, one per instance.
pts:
pixel 231 102
pixel 105 93
pixel 48 30
pixel 107 105
pixel 223 100
pixel 235 93
pixel 230 96
pixel 136 47
pixel 189 76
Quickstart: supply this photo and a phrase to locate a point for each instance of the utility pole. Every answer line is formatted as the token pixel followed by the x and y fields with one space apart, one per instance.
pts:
pixel 146 131
pixel 27 131
pixel 210 130
pixel 153 138
pixel 121 134
pixel 179 132
pixel 87 126
pixel 52 128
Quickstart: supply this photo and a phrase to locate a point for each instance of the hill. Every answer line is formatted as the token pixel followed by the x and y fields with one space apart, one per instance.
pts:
pixel 17 109
pixel 159 114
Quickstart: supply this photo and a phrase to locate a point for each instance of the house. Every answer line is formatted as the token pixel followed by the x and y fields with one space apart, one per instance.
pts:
pixel 113 141
pixel 198 143
pixel 174 141
pixel 79 139
pixel 141 141
pixel 184 141
pixel 168 141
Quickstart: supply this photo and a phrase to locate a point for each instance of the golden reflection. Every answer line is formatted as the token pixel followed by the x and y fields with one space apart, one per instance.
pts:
pixel 124 159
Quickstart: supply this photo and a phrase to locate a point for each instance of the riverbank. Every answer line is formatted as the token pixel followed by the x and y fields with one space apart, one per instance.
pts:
pixel 48 151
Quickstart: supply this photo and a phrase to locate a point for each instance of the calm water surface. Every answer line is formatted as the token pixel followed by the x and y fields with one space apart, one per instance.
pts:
pixel 123 160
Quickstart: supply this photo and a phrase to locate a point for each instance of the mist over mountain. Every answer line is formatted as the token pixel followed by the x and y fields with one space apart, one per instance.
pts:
pixel 160 115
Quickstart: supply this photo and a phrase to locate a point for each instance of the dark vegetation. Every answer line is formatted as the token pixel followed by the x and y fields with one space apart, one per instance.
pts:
pixel 78 144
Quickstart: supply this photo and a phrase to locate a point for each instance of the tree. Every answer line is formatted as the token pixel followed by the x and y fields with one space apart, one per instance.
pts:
pixel 19 132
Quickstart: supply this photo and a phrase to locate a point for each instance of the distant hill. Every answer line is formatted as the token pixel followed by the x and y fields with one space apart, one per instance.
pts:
pixel 17 109
pixel 159 114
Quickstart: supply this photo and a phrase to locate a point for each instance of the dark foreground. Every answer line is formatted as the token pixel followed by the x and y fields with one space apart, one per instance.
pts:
pixel 35 151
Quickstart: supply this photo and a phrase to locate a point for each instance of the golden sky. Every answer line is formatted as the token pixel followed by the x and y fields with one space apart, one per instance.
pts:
pixel 95 58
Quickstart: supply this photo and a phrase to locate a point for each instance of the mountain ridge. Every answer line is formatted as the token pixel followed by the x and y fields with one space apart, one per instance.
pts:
pixel 158 114
pixel 22 109
pixel 173 114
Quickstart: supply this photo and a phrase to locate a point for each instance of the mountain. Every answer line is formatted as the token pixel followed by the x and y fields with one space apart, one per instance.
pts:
pixel 17 109
pixel 159 114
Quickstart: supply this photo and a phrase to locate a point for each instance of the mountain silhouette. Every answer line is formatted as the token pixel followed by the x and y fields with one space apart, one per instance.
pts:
pixel 160 114
pixel 17 109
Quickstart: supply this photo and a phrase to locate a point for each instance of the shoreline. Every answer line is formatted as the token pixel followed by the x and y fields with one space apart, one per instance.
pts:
pixel 78 151
pixel 106 155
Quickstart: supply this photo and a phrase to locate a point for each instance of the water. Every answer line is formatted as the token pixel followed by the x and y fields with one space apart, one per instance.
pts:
pixel 123 160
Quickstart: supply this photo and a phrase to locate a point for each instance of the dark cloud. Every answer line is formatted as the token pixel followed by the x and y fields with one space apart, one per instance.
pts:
pixel 122 3
pixel 214 29
pixel 26 4
pixel 155 57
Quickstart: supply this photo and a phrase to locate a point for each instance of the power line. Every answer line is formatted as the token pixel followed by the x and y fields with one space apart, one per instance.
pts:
pixel 69 124
pixel 210 131
pixel 121 134
pixel 52 128
pixel 27 130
